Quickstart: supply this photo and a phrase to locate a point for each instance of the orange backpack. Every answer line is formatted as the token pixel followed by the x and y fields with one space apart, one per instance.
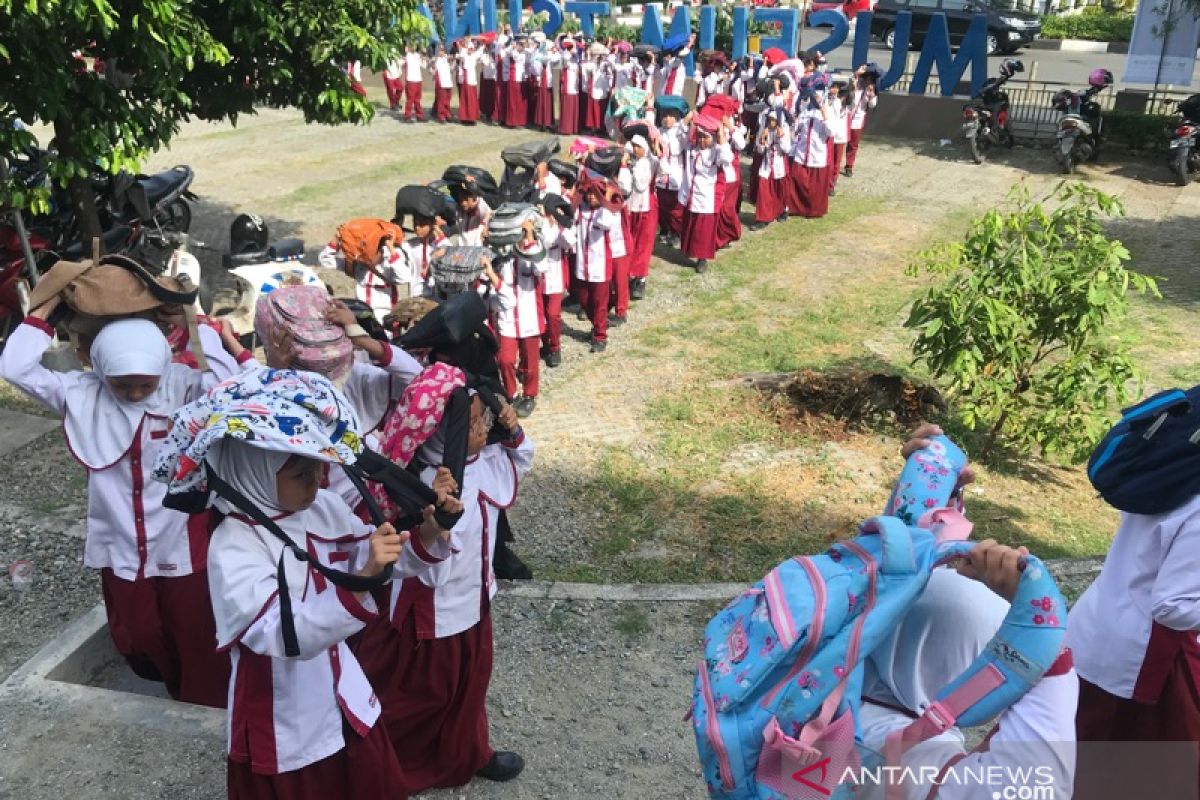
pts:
pixel 361 239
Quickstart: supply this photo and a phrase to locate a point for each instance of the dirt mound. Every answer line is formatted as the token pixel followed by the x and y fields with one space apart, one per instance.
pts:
pixel 856 398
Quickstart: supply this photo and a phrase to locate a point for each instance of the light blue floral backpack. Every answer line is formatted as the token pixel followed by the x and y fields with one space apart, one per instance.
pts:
pixel 776 701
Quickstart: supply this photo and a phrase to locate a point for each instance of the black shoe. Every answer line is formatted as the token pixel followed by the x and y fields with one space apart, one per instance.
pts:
pixel 616 321
pixel 524 406
pixel 581 314
pixel 598 346
pixel 553 358
pixel 758 226
pixel 637 289
pixel 507 566
pixel 832 191
pixel 502 766
pixel 783 217
pixel 702 266
pixel 848 172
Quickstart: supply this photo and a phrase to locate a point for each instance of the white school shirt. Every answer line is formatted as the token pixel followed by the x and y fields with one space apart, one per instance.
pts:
pixel 598 79
pixel 637 183
pixel 622 74
pixel 570 76
pixel 546 64
pixel 418 257
pixel 737 143
pixel 674 74
pixel 670 166
pixel 707 86
pixel 516 68
pixel 468 73
pixel 128 529
pixel 505 65
pixel 1036 731
pixel 810 139
pixel 443 76
pixel 774 163
pixel 395 69
pixel 413 63
pixel 1151 575
pixel 354 70
pixel 489 66
pixel 839 124
pixel 698 191
pixel 298 720
pixel 559 244
pixel 376 290
pixel 449 598
pixel 593 248
pixel 859 106
pixel 471 224
pixel 616 239
pixel 516 304
pixel 549 185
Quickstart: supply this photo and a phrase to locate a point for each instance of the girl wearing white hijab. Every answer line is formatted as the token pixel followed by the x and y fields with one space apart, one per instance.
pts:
pixel 944 631
pixel 151 561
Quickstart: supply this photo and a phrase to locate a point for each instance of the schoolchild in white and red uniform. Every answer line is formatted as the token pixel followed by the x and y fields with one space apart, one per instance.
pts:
pixel 558 238
pixel 674 145
pixel 597 83
pixel 672 71
pixel 568 90
pixel 433 663
pixel 473 216
pixel 374 286
pixel 487 83
pixel 393 81
pixel 863 99
pixel 546 181
pixel 504 70
pixel 700 189
pixel 443 86
pixel 729 221
pixel 151 561
pixel 594 226
pixel 637 180
pixel 303 725
pixel 543 114
pixel 774 145
pixel 354 73
pixel 839 124
pixel 414 64
pixel 1134 633
pixel 467 77
pixel 516 109
pixel 811 134
pixel 418 252
pixel 518 317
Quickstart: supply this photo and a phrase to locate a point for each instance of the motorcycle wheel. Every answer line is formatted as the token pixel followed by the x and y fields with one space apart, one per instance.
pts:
pixel 1067 160
pixel 1180 167
pixel 979 148
pixel 176 217
pixel 1006 139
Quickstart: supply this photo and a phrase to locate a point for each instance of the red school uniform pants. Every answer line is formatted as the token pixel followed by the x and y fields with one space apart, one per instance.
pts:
pixel 670 212
pixel 412 100
pixel 552 308
pixel 395 91
pixel 441 103
pixel 526 349
pixel 837 153
pixel 852 145
pixel 593 297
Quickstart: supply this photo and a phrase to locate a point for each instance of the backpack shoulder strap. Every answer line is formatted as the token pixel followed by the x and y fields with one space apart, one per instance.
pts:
pixel 899 554
pixel 156 289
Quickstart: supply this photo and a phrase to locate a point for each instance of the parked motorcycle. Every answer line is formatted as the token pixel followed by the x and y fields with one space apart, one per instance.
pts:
pixel 1079 131
pixel 985 118
pixel 1184 159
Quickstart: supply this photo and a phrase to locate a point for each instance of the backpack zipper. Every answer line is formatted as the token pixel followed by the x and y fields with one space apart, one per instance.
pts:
pixel 815 629
pixel 712 730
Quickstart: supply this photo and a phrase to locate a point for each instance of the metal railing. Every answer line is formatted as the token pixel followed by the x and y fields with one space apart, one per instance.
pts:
pixel 1030 111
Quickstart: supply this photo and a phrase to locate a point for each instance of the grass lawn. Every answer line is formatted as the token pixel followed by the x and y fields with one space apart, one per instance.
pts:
pixel 731 481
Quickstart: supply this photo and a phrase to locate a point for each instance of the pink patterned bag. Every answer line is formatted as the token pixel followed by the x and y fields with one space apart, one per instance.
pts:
pixel 320 345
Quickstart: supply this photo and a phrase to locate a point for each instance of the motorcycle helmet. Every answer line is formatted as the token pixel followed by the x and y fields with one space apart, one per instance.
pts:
pixel 1062 100
pixel 1010 67
pixel 248 234
pixel 1100 78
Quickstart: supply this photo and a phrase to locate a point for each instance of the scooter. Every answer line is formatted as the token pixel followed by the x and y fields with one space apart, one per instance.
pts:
pixel 1184 160
pixel 1079 131
pixel 985 118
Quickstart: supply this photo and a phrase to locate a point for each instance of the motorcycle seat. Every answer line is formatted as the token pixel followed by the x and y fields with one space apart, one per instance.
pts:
pixel 112 240
pixel 162 185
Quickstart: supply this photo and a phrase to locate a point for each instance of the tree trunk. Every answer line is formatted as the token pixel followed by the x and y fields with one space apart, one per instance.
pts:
pixel 79 190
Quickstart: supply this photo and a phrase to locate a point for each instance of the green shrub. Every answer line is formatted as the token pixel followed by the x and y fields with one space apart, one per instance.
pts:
pixel 1139 133
pixel 1025 324
pixel 1093 24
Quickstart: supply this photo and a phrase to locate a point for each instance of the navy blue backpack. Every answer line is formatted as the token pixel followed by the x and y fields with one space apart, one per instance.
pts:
pixel 1149 463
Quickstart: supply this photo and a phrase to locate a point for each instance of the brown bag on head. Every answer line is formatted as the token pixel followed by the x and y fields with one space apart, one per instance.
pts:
pixel 115 287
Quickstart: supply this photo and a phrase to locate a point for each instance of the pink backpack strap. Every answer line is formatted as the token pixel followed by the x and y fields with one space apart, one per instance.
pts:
pixel 938 718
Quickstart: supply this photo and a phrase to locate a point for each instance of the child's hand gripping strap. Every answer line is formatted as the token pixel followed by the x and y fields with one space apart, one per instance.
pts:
pixel 353 583
pixel 1022 650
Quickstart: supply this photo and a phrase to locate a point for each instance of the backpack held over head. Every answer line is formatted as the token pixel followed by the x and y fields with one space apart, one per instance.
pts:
pixel 455 269
pixel 1149 463
pixel 506 228
pixel 779 690
pixel 320 346
pixel 361 240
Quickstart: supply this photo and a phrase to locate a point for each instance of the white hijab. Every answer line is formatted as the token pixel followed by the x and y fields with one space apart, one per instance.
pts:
pixel 99 427
pixel 249 469
pixel 944 631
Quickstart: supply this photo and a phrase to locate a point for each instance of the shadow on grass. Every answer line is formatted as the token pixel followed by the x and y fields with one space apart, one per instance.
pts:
pixel 1164 251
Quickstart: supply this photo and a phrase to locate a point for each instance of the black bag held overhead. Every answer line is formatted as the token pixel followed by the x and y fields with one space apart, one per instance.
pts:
pixel 528 155
pixel 1149 463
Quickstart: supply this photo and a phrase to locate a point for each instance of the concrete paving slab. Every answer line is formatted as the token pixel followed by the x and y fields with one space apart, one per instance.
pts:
pixel 18 429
